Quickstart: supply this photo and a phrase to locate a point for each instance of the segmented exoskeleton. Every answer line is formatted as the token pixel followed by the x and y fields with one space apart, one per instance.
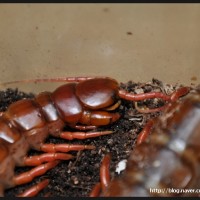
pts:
pixel 83 104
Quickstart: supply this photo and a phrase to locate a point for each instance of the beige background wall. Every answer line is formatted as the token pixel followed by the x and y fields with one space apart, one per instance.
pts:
pixel 126 41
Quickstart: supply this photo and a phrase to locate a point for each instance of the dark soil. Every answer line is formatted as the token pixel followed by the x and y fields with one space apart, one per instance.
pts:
pixel 76 177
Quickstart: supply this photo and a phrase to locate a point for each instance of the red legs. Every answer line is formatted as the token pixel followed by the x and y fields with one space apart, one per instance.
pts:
pixel 105 172
pixel 33 191
pixel 51 149
pixel 52 161
pixel 151 95
pixel 178 93
pixel 43 168
pixel 105 165
pixel 104 169
pixel 64 147
pixel 83 135
pixel 49 157
pixel 45 157
pixel 145 132
pixel 149 125
pixel 138 97
pixel 96 190
pixel 104 177
pixel 73 147
pixel 28 176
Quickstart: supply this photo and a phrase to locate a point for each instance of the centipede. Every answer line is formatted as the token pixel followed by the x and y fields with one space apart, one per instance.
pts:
pixel 83 104
pixel 166 161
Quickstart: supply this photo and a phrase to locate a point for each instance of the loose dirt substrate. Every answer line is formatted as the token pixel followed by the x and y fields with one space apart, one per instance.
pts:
pixel 76 177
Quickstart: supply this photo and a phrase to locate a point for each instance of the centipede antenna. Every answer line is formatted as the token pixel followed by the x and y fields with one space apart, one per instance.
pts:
pixel 58 79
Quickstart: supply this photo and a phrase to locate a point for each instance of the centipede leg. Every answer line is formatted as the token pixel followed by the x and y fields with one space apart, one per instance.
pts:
pixel 105 172
pixel 33 191
pixel 64 147
pixel 45 157
pixel 173 97
pixel 104 177
pixel 178 93
pixel 96 190
pixel 138 97
pixel 83 135
pixel 27 177
pixel 145 132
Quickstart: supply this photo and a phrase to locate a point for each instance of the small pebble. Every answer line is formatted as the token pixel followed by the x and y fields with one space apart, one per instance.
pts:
pixel 121 166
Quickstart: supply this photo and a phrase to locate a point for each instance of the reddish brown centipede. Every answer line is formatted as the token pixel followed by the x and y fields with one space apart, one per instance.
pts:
pixel 84 104
pixel 166 163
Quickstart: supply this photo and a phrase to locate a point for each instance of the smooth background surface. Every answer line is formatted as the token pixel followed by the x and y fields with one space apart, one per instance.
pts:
pixel 125 41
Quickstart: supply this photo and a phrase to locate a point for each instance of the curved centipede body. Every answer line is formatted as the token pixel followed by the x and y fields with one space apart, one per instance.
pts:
pixel 168 159
pixel 84 104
